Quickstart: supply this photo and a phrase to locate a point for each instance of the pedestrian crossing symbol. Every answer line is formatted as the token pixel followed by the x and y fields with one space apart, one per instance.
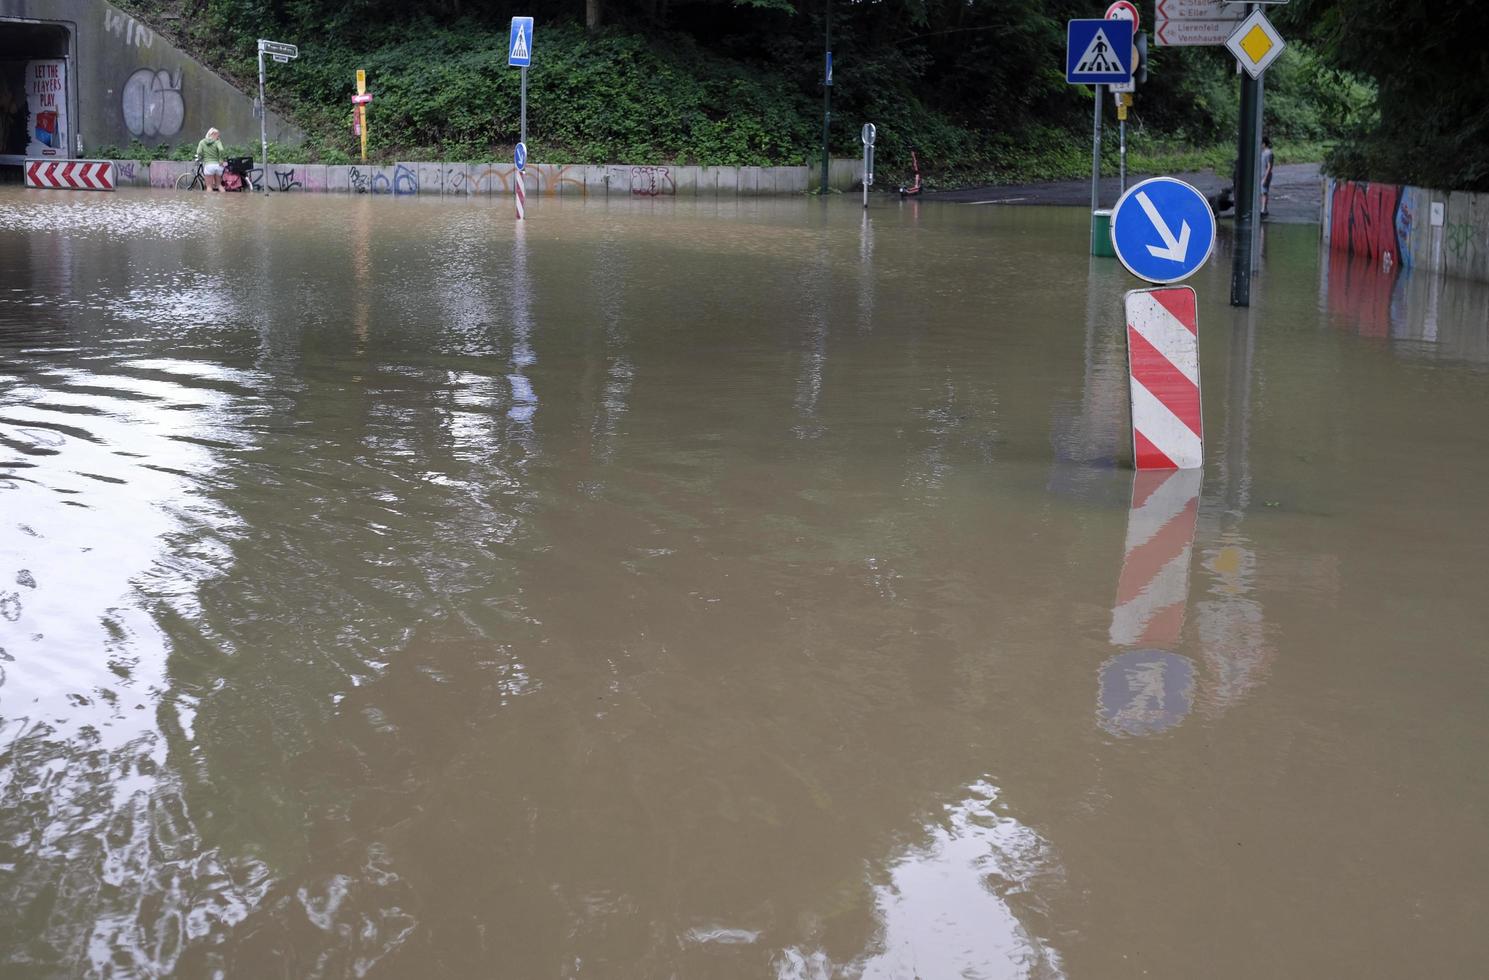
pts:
pixel 520 48
pixel 1098 51
pixel 1098 57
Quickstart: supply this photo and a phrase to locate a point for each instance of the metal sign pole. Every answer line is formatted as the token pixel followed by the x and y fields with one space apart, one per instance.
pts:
pixel 826 92
pixel 263 121
pixel 523 137
pixel 1256 234
pixel 1096 163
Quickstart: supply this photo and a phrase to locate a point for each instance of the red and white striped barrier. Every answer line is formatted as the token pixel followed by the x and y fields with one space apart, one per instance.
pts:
pixel 1154 587
pixel 521 197
pixel 1163 369
pixel 77 175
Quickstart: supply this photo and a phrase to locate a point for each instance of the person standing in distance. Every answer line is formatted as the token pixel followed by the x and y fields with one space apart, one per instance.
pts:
pixel 210 153
pixel 1266 172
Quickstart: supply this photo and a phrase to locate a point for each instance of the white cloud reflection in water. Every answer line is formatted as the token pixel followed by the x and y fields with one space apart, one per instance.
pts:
pixel 952 906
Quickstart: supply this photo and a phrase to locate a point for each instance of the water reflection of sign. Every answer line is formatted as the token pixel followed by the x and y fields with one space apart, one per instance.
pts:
pixel 46 101
pixel 1154 587
pixel 1144 692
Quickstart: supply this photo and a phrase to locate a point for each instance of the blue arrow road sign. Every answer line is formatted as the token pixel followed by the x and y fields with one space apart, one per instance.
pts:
pixel 1098 52
pixel 519 156
pixel 520 45
pixel 1163 230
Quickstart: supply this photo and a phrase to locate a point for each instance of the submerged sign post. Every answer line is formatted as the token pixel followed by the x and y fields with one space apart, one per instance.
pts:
pixel 869 132
pixel 282 53
pixel 1164 231
pixel 1098 52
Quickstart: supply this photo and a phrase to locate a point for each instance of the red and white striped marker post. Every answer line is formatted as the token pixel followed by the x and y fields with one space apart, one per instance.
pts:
pixel 1163 367
pixel 1154 587
pixel 521 197
pixel 75 175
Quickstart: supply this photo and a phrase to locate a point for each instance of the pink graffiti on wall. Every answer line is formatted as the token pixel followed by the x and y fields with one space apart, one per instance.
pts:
pixel 1363 221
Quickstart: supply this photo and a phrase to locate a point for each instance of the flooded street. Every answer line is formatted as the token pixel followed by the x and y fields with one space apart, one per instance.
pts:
pixel 715 589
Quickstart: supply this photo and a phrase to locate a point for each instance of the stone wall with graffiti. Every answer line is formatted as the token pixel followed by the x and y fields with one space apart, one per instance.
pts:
pixel 1396 227
pixel 129 83
pixel 540 179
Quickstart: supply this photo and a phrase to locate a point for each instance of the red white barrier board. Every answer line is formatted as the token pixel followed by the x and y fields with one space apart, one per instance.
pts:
pixel 1163 379
pixel 78 175
pixel 1154 587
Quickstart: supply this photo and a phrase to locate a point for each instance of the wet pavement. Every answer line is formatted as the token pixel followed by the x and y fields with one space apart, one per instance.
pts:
pixel 723 589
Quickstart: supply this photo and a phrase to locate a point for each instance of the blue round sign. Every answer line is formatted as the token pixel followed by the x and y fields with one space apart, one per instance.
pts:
pixel 1163 230
pixel 519 156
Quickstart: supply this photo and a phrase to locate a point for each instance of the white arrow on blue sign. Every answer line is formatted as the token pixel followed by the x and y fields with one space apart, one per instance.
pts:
pixel 1163 230
pixel 520 45
pixel 1098 52
pixel 519 156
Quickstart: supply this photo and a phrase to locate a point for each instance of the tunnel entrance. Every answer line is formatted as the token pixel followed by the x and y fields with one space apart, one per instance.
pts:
pixel 36 117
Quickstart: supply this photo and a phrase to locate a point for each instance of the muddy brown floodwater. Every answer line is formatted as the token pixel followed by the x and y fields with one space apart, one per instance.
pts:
pixel 723 589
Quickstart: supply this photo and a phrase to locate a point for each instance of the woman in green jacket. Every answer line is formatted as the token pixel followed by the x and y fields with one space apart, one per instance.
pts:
pixel 210 153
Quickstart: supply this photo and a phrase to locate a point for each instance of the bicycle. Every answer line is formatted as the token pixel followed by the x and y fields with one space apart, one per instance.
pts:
pixel 240 167
pixel 193 182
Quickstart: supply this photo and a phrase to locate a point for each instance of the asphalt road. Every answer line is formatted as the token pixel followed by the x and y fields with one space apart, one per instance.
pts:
pixel 1297 192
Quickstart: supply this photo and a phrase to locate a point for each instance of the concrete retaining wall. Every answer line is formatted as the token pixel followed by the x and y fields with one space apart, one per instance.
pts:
pixel 1400 226
pixel 126 82
pixel 564 180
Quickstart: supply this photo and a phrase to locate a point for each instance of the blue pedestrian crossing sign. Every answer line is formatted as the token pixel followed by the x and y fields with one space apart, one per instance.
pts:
pixel 519 157
pixel 520 46
pixel 1163 230
pixel 1098 52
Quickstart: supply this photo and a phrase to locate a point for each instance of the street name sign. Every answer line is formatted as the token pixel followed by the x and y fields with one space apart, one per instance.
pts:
pixel 520 43
pixel 1163 230
pixel 1192 23
pixel 1098 52
pixel 1255 43
pixel 280 52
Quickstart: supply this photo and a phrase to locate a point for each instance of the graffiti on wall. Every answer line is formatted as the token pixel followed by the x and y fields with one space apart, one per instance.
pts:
pixel 652 181
pixel 152 103
pixel 1460 241
pixel 127 29
pixel 1373 221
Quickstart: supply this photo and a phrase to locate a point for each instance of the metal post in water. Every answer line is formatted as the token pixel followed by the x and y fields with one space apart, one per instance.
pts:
pixel 1096 163
pixel 826 92
pixel 1122 156
pixel 263 122
pixel 868 160
pixel 1245 187
pixel 1256 236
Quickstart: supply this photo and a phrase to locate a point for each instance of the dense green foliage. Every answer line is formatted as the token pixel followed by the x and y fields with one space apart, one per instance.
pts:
pixel 1430 66
pixel 977 85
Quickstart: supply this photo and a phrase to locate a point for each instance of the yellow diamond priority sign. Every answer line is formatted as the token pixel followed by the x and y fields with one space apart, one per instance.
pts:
pixel 1255 43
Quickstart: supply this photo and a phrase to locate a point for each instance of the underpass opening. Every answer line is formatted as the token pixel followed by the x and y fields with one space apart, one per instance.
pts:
pixel 36 105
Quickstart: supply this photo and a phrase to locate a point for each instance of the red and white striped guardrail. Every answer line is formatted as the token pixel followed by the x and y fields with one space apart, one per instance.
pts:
pixel 77 175
pixel 1163 368
pixel 1154 587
